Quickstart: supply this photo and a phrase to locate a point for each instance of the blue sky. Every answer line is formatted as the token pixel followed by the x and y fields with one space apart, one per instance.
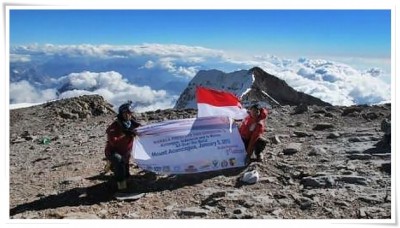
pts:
pixel 294 33
pixel 340 56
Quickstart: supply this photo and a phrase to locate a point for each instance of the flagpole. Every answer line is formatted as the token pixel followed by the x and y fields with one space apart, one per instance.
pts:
pixel 266 94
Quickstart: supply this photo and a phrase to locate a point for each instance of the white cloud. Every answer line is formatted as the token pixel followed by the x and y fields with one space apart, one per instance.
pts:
pixel 188 72
pixel 115 89
pixel 167 64
pixel 74 93
pixel 345 85
pixel 180 60
pixel 182 71
pixel 111 85
pixel 149 64
pixel 192 53
pixel 24 92
pixel 89 80
pixel 333 82
pixel 369 90
pixel 19 58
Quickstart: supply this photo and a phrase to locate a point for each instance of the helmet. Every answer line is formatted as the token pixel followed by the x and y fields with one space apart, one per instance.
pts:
pixel 126 107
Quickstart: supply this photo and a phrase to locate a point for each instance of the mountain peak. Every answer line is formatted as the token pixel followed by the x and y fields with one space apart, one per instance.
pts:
pixel 254 85
pixel 237 82
pixel 272 88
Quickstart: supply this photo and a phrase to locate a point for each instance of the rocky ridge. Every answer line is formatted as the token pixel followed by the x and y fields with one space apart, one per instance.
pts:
pixel 252 85
pixel 278 91
pixel 320 163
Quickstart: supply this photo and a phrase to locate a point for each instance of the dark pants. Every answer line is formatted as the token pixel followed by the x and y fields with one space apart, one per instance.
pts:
pixel 386 139
pixel 259 145
pixel 119 167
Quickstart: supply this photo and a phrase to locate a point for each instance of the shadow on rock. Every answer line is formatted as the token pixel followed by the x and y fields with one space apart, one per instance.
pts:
pixel 381 147
pixel 75 197
pixel 145 182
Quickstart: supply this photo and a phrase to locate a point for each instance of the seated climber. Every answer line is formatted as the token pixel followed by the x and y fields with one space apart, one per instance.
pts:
pixel 251 131
pixel 120 136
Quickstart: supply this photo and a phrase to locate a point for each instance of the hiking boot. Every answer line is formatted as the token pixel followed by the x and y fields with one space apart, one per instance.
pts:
pixel 127 171
pixel 128 174
pixel 122 185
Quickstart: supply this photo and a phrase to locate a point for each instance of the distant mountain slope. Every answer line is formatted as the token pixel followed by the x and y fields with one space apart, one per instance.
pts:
pixel 47 74
pixel 237 83
pixel 279 90
pixel 249 85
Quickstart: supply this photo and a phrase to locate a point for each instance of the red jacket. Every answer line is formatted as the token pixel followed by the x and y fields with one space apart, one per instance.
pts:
pixel 251 129
pixel 118 141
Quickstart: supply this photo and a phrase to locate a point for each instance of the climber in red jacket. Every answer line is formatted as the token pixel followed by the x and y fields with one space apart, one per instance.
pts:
pixel 120 136
pixel 251 131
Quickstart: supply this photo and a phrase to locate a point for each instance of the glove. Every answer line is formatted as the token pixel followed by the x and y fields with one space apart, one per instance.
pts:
pixel 131 132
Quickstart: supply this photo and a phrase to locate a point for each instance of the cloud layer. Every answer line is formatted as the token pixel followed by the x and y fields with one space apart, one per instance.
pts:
pixel 111 85
pixel 150 73
pixel 337 83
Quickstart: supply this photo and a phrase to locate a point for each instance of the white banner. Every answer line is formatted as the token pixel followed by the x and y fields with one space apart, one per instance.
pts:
pixel 189 146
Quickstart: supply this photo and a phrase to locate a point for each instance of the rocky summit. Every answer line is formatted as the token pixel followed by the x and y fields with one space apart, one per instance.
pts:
pixel 321 162
pixel 250 86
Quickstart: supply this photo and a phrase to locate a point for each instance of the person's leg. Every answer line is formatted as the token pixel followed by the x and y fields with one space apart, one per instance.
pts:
pixel 119 169
pixel 127 173
pixel 259 148
pixel 247 158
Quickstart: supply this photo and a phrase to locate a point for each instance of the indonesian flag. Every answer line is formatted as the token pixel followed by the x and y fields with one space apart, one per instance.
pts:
pixel 212 102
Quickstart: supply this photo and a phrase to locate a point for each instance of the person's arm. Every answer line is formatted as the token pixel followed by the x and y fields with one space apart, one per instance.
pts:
pixel 242 127
pixel 114 135
pixel 118 141
pixel 258 131
pixel 254 136
pixel 132 130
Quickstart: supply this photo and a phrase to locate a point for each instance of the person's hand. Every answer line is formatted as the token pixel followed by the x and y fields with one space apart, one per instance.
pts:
pixel 131 132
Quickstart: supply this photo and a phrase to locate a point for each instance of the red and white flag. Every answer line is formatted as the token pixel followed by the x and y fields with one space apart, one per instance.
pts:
pixel 212 102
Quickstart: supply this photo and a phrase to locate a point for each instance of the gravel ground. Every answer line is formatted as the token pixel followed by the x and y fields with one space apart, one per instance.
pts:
pixel 322 163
